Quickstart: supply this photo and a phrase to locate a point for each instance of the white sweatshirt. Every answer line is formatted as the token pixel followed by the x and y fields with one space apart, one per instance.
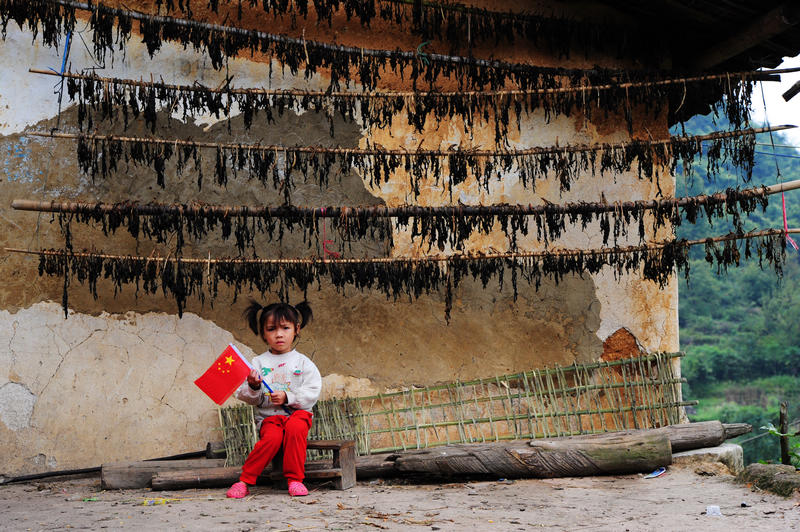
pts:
pixel 293 373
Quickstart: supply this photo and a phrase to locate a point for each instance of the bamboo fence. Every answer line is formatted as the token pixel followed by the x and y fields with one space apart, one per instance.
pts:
pixel 631 393
pixel 238 432
pixel 640 392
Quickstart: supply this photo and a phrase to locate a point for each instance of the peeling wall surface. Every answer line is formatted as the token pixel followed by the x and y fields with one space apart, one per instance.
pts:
pixel 114 379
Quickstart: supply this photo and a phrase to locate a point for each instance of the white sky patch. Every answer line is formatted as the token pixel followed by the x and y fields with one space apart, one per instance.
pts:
pixel 779 111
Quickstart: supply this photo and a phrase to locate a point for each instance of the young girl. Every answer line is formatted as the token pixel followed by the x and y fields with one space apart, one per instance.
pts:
pixel 284 416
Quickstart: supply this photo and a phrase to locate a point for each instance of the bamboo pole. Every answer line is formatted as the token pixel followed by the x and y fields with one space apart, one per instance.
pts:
pixel 513 376
pixel 490 398
pixel 459 415
pixel 547 406
pixel 388 419
pixel 613 399
pixel 760 75
pixel 556 415
pixel 591 381
pixel 507 410
pixel 626 397
pixel 411 260
pixel 501 438
pixel 553 402
pixel 472 152
pixel 357 54
pixel 530 404
pixel 477 412
pixel 381 211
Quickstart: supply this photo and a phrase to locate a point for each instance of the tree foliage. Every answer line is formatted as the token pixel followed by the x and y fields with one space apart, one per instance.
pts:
pixel 741 329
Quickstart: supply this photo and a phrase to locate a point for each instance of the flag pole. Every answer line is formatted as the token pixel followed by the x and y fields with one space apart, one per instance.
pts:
pixel 249 365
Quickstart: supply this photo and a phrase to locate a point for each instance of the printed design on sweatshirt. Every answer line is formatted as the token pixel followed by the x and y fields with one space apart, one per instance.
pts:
pixel 279 378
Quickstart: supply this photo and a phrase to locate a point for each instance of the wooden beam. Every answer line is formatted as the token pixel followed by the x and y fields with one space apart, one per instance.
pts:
pixel 126 475
pixel 773 23
pixel 467 458
pixel 598 454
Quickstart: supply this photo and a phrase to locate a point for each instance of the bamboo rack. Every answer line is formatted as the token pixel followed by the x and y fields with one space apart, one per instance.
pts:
pixel 595 397
pixel 238 432
pixel 759 75
pixel 409 260
pixel 382 211
pixel 539 150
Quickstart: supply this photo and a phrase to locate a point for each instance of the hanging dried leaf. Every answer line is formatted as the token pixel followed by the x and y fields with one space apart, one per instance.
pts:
pixel 101 155
pixel 396 278
pixel 115 99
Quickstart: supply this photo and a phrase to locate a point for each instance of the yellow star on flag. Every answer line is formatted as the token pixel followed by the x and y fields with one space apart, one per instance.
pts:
pixel 229 360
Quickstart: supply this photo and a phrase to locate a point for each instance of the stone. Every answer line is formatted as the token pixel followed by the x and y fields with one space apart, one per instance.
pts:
pixel 702 460
pixel 777 478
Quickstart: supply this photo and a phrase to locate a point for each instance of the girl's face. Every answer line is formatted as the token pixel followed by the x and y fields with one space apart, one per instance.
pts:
pixel 280 336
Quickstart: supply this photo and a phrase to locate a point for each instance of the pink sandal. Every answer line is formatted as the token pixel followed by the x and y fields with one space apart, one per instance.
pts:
pixel 239 491
pixel 296 489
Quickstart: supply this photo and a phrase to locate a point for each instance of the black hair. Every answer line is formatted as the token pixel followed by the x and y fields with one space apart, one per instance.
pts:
pixel 257 316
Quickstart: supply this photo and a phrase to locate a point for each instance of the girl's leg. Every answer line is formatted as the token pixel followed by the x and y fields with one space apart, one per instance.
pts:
pixel 294 445
pixel 264 450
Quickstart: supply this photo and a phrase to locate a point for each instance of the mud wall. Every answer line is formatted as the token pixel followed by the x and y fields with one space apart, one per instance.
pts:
pixel 114 379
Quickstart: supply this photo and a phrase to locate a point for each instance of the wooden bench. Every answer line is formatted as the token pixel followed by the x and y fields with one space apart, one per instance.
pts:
pixel 342 471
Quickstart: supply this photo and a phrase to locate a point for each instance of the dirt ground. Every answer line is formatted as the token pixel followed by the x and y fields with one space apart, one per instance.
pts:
pixel 674 501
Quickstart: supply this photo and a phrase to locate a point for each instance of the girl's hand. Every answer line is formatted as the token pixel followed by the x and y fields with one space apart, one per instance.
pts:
pixel 254 379
pixel 277 398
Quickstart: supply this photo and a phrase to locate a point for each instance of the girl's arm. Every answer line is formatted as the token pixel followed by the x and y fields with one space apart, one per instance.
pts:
pixel 305 396
pixel 246 392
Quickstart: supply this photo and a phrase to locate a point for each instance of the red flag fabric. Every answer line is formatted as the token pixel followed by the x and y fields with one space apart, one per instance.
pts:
pixel 224 376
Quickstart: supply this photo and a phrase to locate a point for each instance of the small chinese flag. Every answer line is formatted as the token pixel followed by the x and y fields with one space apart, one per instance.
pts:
pixel 224 376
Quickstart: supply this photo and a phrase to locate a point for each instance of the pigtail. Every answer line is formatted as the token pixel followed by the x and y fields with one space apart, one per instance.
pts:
pixel 304 309
pixel 251 315
pixel 257 316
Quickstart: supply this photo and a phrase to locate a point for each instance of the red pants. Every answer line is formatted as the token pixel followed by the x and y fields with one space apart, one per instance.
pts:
pixel 290 432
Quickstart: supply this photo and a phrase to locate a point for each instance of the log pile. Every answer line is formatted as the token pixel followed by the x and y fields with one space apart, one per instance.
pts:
pixel 636 451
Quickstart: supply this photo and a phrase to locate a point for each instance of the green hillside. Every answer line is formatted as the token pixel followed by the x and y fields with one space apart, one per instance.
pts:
pixel 741 329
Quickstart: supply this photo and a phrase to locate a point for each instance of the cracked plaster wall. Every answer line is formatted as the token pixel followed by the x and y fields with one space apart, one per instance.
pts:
pixel 114 381
pixel 92 389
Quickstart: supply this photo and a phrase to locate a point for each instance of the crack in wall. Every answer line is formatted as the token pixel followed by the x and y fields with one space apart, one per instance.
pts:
pixel 174 378
pixel 11 351
pixel 64 357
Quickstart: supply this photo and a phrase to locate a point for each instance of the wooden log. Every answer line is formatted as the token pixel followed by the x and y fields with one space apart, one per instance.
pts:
pixel 219 477
pixel 216 449
pixel 377 466
pixel 736 429
pixel 681 437
pixel 599 454
pixel 688 436
pixel 783 422
pixel 214 477
pixel 615 453
pixel 125 475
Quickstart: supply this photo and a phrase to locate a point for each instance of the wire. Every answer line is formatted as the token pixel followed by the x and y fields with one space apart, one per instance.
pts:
pixel 795 423
pixel 778 145
pixel 784 155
